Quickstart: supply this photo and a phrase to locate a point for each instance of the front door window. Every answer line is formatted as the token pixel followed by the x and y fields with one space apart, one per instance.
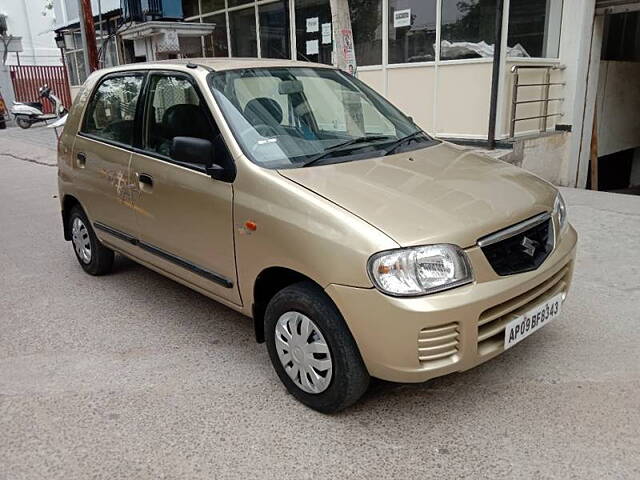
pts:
pixel 174 109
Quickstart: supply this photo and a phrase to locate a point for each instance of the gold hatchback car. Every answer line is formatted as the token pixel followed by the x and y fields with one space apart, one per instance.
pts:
pixel 293 193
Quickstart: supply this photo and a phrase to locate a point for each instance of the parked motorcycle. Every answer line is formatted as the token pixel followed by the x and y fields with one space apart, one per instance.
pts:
pixel 28 113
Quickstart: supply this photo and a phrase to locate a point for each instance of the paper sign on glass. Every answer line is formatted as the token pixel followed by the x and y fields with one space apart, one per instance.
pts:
pixel 402 18
pixel 312 47
pixel 326 33
pixel 312 24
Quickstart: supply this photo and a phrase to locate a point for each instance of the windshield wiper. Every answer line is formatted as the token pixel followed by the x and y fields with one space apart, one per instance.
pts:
pixel 339 146
pixel 394 146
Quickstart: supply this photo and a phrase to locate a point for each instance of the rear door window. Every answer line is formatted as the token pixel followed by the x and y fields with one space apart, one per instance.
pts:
pixel 111 112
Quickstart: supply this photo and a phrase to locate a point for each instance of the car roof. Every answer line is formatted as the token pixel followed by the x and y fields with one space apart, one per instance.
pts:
pixel 221 64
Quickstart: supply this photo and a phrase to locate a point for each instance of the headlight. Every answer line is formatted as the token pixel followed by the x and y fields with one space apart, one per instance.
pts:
pixel 414 271
pixel 560 211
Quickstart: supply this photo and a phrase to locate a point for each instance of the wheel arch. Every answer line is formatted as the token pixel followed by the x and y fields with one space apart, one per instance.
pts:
pixel 68 202
pixel 269 282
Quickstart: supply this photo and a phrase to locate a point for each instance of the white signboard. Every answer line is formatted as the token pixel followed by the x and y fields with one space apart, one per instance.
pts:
pixel 402 18
pixel 326 33
pixel 313 24
pixel 312 47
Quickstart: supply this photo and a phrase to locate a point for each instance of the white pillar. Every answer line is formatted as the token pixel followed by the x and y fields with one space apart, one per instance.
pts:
pixel 575 53
pixel 344 49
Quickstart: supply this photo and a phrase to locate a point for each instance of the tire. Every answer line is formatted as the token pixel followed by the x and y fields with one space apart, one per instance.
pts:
pixel 23 122
pixel 348 376
pixel 94 258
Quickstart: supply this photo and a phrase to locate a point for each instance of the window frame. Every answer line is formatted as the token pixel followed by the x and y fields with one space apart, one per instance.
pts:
pixel 140 146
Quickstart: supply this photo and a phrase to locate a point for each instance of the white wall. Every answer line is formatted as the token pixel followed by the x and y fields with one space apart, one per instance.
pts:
pixel 618 107
pixel 576 52
pixel 30 20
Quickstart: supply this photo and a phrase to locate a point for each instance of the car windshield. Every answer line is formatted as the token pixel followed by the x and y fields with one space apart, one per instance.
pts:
pixel 289 117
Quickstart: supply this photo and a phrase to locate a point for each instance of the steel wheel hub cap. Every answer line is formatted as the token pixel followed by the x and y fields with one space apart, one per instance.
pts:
pixel 81 241
pixel 303 352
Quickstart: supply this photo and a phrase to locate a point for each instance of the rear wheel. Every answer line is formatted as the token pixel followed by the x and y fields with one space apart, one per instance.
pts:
pixel 312 350
pixel 23 122
pixel 94 258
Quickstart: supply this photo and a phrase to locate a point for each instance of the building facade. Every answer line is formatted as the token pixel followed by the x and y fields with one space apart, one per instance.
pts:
pixel 31 22
pixel 435 60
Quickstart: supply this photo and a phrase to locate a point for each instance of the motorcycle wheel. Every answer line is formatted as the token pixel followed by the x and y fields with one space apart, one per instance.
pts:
pixel 23 122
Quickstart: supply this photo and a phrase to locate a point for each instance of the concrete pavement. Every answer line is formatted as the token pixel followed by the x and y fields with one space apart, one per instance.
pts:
pixel 134 376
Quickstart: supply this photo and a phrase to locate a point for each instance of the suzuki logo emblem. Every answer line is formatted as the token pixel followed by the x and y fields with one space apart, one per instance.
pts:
pixel 529 246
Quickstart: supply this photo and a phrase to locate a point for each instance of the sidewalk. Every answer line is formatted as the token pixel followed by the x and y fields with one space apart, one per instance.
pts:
pixel 37 144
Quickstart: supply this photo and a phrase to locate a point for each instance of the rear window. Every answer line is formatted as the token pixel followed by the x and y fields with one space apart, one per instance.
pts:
pixel 111 112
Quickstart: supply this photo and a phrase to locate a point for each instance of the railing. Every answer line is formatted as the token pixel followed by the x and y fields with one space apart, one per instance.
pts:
pixel 27 80
pixel 546 84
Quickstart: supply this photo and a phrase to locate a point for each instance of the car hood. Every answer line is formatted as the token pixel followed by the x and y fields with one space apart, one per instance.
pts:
pixel 439 194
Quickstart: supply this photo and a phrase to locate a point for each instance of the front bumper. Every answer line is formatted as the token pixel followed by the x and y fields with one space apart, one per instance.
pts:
pixel 415 339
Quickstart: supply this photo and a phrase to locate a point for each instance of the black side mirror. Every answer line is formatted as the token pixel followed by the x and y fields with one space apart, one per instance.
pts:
pixel 197 152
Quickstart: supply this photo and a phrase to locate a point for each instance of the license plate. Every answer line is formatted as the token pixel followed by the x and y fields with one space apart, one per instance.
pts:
pixel 521 327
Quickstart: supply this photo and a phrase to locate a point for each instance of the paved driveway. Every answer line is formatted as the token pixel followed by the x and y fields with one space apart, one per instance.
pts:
pixel 134 376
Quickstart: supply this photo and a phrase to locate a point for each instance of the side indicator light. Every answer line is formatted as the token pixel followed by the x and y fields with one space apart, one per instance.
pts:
pixel 250 226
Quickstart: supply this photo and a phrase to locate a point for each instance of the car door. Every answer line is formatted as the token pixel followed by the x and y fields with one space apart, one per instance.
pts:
pixel 102 156
pixel 184 217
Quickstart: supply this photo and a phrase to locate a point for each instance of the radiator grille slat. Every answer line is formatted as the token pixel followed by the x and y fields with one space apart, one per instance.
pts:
pixel 492 322
pixel 515 303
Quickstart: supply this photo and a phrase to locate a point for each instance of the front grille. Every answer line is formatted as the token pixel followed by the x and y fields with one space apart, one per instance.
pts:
pixel 438 343
pixel 493 321
pixel 523 251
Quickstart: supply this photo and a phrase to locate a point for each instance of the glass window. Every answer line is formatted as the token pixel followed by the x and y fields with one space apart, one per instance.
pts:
pixel 274 30
pixel 309 43
pixel 468 29
pixel 235 3
pixel 244 41
pixel 173 110
pixel 82 68
pixel 288 117
pixel 622 37
pixel 190 47
pixel 190 8
pixel 534 28
pixel 77 39
pixel 72 68
pixel 111 112
pixel 110 56
pixel 412 31
pixel 366 21
pixel 215 45
pixel 212 6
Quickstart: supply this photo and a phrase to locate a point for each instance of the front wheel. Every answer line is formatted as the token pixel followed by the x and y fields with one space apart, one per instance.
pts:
pixel 312 350
pixel 23 122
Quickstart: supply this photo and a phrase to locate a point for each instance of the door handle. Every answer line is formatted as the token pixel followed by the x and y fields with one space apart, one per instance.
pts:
pixel 146 179
pixel 82 159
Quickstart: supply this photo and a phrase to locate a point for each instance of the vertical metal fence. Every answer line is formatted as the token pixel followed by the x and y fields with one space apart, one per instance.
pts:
pixel 27 79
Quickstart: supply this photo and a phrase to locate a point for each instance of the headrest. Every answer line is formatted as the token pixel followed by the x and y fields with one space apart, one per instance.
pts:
pixel 263 111
pixel 185 120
